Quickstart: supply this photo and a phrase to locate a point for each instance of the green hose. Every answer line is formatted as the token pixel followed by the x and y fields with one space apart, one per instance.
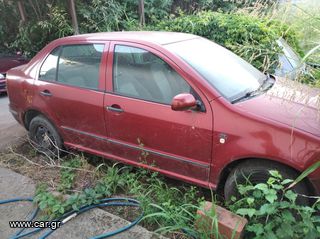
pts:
pixel 120 202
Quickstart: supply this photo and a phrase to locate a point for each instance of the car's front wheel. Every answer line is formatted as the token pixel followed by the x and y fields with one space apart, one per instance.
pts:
pixel 255 172
pixel 45 137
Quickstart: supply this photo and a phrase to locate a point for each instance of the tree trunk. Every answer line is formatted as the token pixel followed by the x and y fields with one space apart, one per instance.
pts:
pixel 141 13
pixel 22 12
pixel 74 19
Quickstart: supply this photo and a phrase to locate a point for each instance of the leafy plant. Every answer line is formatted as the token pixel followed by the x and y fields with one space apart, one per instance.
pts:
pixel 114 179
pixel 68 174
pixel 48 203
pixel 273 212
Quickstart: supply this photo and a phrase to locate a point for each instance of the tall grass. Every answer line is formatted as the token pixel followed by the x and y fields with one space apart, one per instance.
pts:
pixel 304 19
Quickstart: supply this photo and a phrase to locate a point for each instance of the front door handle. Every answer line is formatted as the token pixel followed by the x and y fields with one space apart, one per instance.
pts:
pixel 45 93
pixel 114 108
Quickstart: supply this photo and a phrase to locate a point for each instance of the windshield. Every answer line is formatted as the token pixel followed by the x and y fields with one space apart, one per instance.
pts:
pixel 228 73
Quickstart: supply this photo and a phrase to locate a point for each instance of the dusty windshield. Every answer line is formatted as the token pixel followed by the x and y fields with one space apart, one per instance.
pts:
pixel 226 72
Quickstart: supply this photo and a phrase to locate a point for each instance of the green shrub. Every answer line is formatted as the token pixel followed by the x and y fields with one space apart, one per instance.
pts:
pixel 250 37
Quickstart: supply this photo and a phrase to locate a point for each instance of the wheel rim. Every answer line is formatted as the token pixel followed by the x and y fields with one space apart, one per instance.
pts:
pixel 44 138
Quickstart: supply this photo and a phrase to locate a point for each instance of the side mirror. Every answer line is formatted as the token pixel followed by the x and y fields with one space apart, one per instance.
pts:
pixel 183 101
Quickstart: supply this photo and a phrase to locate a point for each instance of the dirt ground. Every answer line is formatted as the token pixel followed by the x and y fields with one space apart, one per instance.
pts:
pixel 23 158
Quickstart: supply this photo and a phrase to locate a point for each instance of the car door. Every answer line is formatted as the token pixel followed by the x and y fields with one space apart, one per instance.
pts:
pixel 142 127
pixel 70 91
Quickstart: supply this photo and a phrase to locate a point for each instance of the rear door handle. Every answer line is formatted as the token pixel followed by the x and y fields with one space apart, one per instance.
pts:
pixel 46 93
pixel 114 108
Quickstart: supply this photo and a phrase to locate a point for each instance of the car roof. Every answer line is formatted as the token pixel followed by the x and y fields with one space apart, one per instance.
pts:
pixel 161 38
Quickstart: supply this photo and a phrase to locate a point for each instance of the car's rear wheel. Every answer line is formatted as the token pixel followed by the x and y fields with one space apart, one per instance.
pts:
pixel 45 137
pixel 258 172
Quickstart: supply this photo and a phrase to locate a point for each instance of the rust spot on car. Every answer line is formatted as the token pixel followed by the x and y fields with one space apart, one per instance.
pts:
pixel 29 99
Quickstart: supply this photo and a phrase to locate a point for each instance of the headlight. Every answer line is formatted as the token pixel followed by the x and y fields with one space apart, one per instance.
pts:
pixel 2 77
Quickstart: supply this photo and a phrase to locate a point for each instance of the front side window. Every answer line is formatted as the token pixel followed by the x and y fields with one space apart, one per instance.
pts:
pixel 140 74
pixel 79 65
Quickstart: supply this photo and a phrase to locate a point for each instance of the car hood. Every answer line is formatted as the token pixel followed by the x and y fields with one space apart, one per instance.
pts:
pixel 290 103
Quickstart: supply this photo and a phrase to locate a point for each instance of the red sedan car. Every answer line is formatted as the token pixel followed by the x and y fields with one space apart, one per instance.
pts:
pixel 6 63
pixel 171 102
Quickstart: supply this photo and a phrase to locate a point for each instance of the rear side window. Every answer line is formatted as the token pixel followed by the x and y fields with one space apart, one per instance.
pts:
pixel 75 65
pixel 79 65
pixel 48 69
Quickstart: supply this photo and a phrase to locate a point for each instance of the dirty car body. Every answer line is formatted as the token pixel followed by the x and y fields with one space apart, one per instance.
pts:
pixel 171 102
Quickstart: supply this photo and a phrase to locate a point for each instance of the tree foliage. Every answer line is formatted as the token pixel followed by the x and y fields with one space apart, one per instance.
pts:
pixel 9 18
pixel 193 6
pixel 35 34
pixel 251 37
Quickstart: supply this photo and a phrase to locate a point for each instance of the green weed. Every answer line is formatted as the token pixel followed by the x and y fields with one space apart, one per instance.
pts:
pixel 149 188
pixel 270 206
pixel 68 173
pixel 273 212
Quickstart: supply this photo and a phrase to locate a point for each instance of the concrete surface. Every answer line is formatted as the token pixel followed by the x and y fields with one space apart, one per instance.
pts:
pixel 85 225
pixel 10 130
pixel 13 185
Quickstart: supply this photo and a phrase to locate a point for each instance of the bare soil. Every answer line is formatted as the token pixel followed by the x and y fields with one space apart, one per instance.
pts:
pixel 23 159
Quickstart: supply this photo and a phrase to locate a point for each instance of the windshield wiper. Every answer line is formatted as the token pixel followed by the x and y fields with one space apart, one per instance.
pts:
pixel 258 91
pixel 246 96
